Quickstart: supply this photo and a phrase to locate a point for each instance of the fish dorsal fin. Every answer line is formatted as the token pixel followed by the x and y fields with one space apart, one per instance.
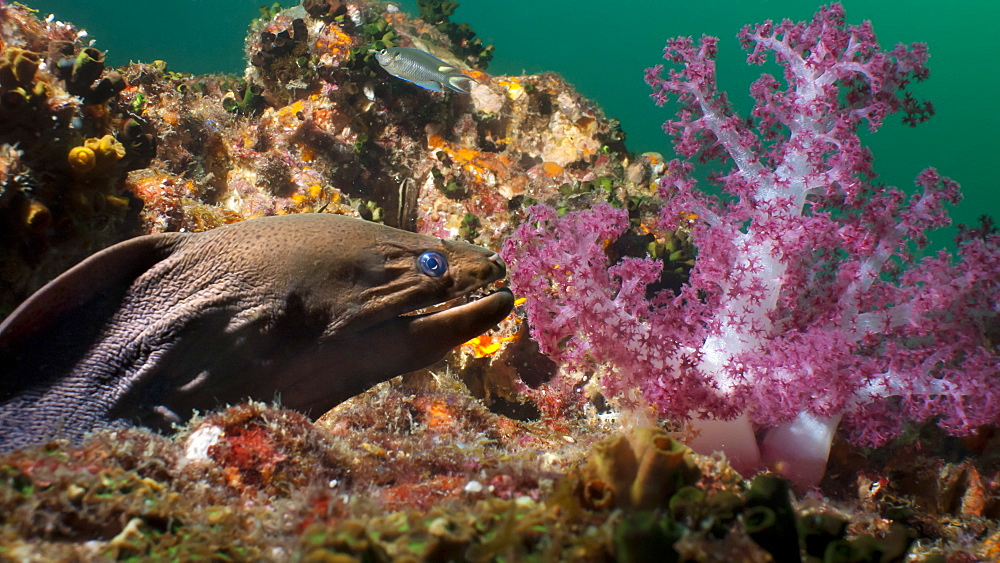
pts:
pixel 104 275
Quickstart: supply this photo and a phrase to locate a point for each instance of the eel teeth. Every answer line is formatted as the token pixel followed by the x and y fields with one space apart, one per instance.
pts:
pixel 475 295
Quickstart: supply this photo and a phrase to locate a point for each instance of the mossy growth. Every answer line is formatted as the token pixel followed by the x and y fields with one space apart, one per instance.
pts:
pixel 492 530
pixel 255 449
pixel 469 229
pixel 267 13
pixel 378 35
pixel 322 494
pixel 122 490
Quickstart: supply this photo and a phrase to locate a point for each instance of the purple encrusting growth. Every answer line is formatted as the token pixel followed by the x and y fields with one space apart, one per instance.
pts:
pixel 807 296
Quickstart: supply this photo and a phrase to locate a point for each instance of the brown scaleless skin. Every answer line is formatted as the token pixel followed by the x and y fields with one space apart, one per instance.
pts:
pixel 308 308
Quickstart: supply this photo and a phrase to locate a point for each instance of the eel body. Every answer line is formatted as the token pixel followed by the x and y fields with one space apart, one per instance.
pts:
pixel 310 309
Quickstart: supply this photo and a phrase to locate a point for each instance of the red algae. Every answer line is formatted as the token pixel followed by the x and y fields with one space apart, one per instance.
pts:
pixel 256 450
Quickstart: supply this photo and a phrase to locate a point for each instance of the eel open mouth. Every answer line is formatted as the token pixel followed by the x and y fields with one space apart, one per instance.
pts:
pixel 465 304
pixel 462 318
pixel 453 303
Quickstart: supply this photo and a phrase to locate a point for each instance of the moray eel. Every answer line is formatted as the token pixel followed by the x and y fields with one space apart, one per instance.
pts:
pixel 311 309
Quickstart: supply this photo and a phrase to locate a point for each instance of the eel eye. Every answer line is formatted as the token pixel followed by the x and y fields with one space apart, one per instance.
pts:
pixel 432 263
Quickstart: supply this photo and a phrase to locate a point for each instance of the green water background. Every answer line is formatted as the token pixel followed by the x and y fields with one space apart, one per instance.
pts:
pixel 602 48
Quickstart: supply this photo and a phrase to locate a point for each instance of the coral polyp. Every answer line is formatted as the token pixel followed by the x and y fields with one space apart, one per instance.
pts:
pixel 82 159
pixel 18 67
pixel 18 88
pixel 96 155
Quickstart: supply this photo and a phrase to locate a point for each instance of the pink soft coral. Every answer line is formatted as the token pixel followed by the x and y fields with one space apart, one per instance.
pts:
pixel 807 302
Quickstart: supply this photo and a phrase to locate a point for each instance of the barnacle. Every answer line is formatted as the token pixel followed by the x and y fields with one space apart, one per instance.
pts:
pixel 274 46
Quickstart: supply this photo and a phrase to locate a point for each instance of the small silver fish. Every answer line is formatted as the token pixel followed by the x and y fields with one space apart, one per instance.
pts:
pixel 423 69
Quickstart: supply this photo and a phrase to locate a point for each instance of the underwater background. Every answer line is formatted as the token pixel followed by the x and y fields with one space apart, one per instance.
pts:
pixel 531 441
pixel 603 50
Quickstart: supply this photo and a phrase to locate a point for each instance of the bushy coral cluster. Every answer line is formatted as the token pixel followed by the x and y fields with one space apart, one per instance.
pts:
pixel 57 97
pixel 808 299
pixel 17 85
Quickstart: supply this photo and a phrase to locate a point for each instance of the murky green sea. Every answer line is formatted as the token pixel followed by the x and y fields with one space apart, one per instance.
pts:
pixel 603 47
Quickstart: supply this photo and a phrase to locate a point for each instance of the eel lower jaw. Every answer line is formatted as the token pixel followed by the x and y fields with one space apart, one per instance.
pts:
pixel 397 345
pixel 461 322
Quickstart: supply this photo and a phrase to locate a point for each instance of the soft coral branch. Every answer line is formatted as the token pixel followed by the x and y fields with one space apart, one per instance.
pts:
pixel 807 300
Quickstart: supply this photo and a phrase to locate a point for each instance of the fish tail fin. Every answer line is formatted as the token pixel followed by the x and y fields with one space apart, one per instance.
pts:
pixel 461 83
